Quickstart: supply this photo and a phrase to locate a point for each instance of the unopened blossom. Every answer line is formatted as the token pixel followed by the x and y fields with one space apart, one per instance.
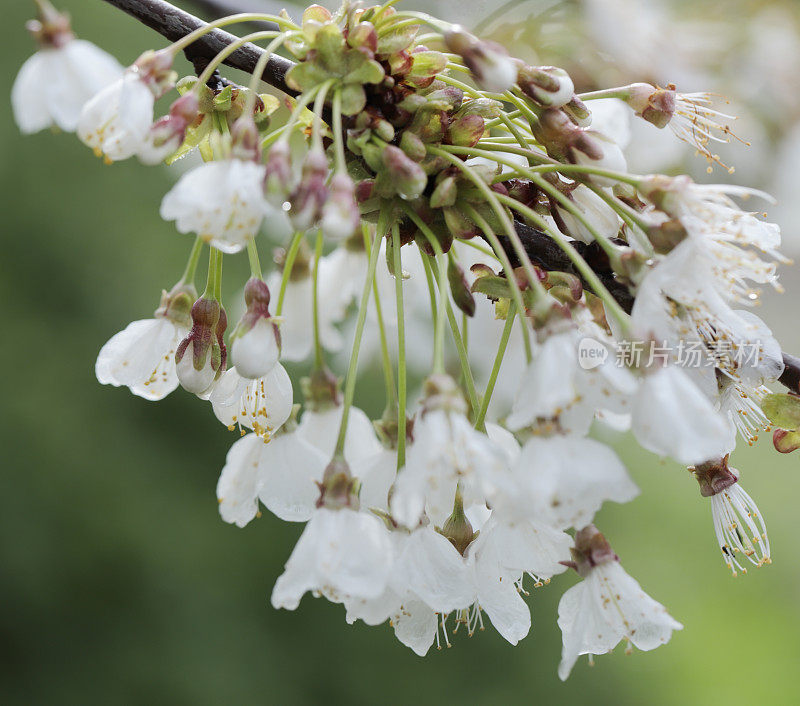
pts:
pixel 256 342
pixel 168 133
pixel 283 474
pixel 262 404
pixel 340 217
pixel 342 553
pixel 491 66
pixel 738 523
pixel 606 155
pixel 547 85
pixel 53 85
pixel 116 122
pixel 142 356
pixel 201 357
pixel 223 202
pixel 607 606
pixel 311 193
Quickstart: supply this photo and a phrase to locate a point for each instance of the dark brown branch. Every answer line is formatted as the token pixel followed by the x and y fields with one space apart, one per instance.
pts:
pixel 173 24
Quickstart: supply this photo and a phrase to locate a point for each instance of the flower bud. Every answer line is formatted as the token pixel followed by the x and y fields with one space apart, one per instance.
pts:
pixel 155 69
pixel 200 356
pixel 466 130
pixel 462 295
pixel 577 111
pixel 610 157
pixel 786 441
pixel 311 193
pixel 168 133
pixel 407 177
pixel 547 85
pixel 489 63
pixel 340 214
pixel 655 105
pixel 278 180
pixel 245 139
pixel 256 342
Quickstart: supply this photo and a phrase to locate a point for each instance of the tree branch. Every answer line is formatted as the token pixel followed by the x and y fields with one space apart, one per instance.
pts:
pixel 173 24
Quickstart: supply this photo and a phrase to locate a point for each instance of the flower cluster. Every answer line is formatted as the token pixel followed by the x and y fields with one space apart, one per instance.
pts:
pixel 421 172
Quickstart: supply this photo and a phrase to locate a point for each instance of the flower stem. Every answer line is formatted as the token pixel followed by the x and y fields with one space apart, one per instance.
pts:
pixel 516 292
pixel 580 264
pixel 350 383
pixel 242 17
pixel 288 266
pixel 401 347
pixel 386 361
pixel 319 362
pixel 252 255
pixel 191 266
pixel 498 361
pixel 338 140
pixel 211 279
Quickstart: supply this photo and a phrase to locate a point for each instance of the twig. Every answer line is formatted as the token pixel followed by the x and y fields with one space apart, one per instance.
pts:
pixel 173 23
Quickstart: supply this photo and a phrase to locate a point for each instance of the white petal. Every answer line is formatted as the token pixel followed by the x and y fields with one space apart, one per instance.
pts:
pixel 291 469
pixel 237 486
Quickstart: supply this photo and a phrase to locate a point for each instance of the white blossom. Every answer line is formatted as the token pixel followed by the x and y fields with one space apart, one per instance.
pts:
pixel 223 202
pixel 341 554
pixel 262 405
pixel 55 83
pixel 142 357
pixel 606 607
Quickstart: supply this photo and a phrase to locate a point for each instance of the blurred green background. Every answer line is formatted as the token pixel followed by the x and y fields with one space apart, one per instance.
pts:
pixel 119 584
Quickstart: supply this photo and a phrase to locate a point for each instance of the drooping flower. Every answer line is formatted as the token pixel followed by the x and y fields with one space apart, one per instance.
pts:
pixel 283 474
pixel 448 452
pixel 116 122
pixel 607 606
pixel 738 524
pixel 673 417
pixel 262 405
pixel 341 554
pixel 53 85
pixel 340 217
pixel 562 481
pixel 735 240
pixel 142 356
pixel 223 202
pixel 320 428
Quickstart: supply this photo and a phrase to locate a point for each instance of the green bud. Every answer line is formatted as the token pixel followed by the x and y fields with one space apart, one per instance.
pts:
pixel 782 409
